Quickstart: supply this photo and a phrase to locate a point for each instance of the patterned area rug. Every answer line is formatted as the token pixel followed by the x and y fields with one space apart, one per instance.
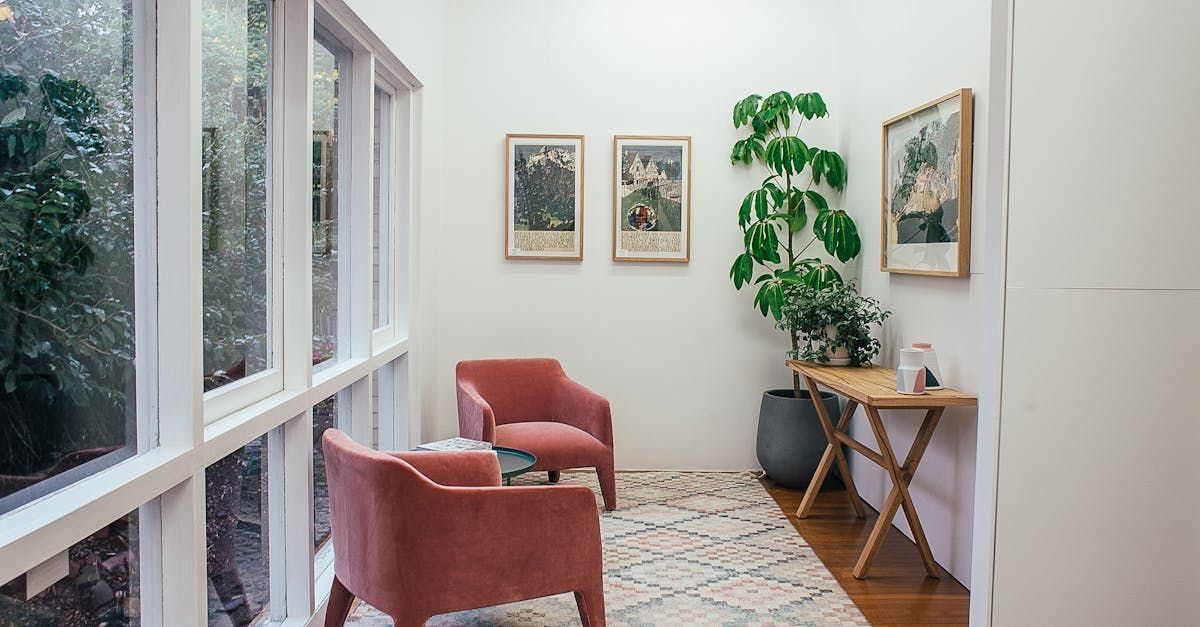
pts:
pixel 685 548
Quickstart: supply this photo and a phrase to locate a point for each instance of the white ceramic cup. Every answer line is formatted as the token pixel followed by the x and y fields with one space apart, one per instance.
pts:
pixel 910 376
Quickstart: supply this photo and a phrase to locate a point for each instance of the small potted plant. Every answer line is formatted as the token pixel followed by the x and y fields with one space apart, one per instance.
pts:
pixel 832 324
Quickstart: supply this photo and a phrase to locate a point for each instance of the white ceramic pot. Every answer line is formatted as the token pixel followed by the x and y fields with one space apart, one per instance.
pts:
pixel 839 356
pixel 910 375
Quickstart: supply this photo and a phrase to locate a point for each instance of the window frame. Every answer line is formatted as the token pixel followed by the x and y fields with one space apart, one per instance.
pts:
pixel 181 430
pixel 222 401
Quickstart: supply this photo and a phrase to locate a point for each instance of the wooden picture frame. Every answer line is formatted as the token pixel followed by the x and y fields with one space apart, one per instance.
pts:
pixel 543 201
pixel 652 198
pixel 922 188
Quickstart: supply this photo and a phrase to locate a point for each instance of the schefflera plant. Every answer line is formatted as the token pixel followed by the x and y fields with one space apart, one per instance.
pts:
pixel 774 216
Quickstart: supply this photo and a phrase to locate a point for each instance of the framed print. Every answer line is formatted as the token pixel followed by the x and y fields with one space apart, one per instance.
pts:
pixel 543 197
pixel 652 198
pixel 926 217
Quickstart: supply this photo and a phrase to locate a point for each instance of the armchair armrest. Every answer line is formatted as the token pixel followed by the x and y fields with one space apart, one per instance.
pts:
pixel 455 468
pixel 584 409
pixel 549 535
pixel 476 420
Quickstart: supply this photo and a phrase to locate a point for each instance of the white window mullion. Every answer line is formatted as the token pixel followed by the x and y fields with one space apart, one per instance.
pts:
pixel 292 508
pixel 181 409
pixel 404 217
pixel 145 59
pixel 358 422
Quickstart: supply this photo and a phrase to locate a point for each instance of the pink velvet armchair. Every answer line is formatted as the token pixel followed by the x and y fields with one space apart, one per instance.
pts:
pixel 425 533
pixel 530 404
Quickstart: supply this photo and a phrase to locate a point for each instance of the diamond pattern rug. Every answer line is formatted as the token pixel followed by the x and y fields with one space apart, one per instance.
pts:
pixel 685 548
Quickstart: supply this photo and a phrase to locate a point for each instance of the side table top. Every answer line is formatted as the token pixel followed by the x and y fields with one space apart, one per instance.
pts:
pixel 876 386
pixel 514 461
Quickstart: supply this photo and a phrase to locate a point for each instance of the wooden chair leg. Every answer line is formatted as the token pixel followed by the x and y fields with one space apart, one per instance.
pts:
pixel 340 600
pixel 554 475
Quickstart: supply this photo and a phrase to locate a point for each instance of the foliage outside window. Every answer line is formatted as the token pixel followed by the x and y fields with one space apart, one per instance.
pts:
pixel 66 240
pixel 236 247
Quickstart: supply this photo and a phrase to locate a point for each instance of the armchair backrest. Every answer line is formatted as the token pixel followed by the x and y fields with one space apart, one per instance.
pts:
pixel 368 494
pixel 517 390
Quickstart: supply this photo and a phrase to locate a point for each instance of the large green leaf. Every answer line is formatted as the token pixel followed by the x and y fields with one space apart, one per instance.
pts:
pixel 780 106
pixel 762 242
pixel 836 230
pixel 786 154
pixel 746 208
pixel 742 270
pixel 776 195
pixel 770 298
pixel 819 275
pixel 810 105
pixel 797 211
pixel 828 165
pixel 745 109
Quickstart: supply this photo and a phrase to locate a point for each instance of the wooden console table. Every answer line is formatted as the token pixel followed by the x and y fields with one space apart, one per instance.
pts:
pixel 874 388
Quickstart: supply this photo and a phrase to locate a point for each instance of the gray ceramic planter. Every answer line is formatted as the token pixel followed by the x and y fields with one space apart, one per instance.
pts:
pixel 790 439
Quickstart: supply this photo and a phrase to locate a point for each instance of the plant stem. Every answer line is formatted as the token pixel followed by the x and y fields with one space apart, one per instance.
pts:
pixel 810 243
pixel 787 178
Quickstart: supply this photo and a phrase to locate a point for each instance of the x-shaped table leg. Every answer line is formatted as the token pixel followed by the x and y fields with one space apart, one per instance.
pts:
pixel 899 495
pixel 833 451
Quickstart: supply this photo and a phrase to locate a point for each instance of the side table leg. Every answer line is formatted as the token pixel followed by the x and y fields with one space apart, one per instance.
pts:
pixel 901 476
pixel 810 495
pixel 833 447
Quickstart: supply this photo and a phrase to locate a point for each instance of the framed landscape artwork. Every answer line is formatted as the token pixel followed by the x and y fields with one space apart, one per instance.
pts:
pixel 926 217
pixel 543 197
pixel 652 198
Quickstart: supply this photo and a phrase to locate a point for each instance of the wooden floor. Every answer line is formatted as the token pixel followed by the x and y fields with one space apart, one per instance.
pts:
pixel 896 591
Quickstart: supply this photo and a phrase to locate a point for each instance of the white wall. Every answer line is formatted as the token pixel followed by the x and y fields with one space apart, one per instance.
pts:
pixel 887 71
pixel 1097 514
pixel 686 393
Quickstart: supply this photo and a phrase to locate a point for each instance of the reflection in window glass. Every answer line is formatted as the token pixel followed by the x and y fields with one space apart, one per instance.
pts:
pixel 381 207
pixel 235 492
pixel 325 202
pixel 66 243
pixel 325 417
pixel 101 587
pixel 375 409
pixel 236 210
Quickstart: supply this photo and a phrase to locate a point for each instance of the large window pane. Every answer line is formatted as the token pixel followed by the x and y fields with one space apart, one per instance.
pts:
pixel 239 582
pixel 66 243
pixel 100 588
pixel 325 417
pixel 236 216
pixel 325 202
pixel 381 208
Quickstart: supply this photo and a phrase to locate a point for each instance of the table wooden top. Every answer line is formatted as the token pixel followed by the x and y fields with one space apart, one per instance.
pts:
pixel 876 386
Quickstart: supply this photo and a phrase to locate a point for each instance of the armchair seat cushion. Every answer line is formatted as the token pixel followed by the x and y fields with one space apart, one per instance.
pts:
pixel 557 446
